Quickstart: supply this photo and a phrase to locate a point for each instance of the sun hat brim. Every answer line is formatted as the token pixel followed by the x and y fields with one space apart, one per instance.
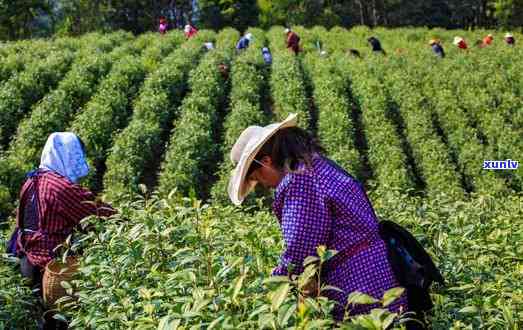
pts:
pixel 239 187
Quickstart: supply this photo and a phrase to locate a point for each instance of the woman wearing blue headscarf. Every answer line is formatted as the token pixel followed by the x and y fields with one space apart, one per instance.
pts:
pixel 52 203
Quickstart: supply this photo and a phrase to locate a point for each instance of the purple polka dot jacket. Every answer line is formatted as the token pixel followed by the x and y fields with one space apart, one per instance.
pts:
pixel 322 205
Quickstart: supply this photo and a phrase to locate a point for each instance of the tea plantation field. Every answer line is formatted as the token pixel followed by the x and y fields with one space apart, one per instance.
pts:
pixel 158 120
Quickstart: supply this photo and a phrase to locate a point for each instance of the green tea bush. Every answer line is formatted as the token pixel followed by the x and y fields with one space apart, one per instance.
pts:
pixel 17 303
pixel 430 153
pixel 180 263
pixel 55 110
pixel 385 153
pixel 23 90
pixel 192 148
pixel 336 130
pixel 246 97
pixel 154 108
pixel 176 261
pixel 19 56
pixel 109 110
pixel 463 139
pixel 287 81
pixel 53 113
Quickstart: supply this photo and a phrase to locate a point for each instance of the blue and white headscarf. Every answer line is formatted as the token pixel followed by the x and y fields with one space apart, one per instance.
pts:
pixel 63 153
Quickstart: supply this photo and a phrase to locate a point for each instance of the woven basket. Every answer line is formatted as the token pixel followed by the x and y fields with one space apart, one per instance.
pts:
pixel 55 273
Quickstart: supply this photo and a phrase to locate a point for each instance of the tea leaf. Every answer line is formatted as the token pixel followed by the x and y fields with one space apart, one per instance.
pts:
pixel 168 323
pixel 391 295
pixel 358 298
pixel 468 310
pixel 279 296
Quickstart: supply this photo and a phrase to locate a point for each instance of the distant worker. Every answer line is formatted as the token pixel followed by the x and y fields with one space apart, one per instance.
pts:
pixel 224 70
pixel 487 41
pixel 190 31
pixel 375 45
pixel 267 57
pixel 437 48
pixel 354 53
pixel 460 43
pixel 319 46
pixel 479 43
pixel 244 42
pixel 163 25
pixel 293 41
pixel 208 45
pixel 509 39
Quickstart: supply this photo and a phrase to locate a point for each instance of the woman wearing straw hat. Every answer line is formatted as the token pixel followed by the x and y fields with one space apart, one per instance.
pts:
pixel 460 43
pixel 317 203
pixel 509 39
pixel 437 48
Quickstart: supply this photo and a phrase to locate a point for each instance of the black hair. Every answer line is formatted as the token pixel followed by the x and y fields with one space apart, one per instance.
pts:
pixel 287 149
pixel 355 53
pixel 82 145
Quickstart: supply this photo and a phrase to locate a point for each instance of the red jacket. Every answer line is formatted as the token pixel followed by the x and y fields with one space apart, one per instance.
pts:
pixel 462 45
pixel 192 32
pixel 293 42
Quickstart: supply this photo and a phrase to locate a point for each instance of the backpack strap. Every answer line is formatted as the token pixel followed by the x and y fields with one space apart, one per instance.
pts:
pixel 29 217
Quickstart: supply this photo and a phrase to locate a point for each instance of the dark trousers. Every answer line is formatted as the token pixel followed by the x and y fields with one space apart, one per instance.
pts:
pixel 33 273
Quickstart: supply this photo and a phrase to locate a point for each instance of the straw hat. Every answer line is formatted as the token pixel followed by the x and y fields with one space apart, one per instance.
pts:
pixel 187 28
pixel 509 35
pixel 432 42
pixel 248 36
pixel 287 30
pixel 490 35
pixel 457 40
pixel 243 152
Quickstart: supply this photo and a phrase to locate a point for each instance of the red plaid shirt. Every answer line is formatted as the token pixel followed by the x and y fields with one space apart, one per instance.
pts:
pixel 61 206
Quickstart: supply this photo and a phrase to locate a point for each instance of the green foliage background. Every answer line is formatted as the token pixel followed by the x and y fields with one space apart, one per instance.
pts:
pixel 33 18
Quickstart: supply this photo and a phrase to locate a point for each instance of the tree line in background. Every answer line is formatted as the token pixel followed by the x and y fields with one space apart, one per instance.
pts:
pixel 36 18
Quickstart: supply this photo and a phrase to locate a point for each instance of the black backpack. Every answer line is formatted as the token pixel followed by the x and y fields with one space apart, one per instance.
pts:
pixel 412 265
